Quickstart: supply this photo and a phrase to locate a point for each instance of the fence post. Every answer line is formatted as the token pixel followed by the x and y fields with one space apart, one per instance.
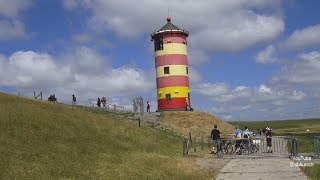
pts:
pixel 188 144
pixel 184 147
pixel 41 95
pixel 202 142
pixel 195 144
pixel 317 146
pixel 294 146
pixel 139 121
pixel 34 94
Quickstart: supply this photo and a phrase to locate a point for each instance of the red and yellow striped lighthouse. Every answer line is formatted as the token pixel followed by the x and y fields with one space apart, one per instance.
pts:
pixel 171 62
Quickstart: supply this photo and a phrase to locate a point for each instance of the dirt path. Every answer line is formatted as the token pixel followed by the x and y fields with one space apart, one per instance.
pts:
pixel 260 169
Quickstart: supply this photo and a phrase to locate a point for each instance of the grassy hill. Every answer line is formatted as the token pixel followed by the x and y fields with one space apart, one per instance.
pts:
pixel 41 140
pixel 197 123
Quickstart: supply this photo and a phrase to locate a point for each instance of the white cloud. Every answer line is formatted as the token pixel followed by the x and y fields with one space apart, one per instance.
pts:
pixel 291 93
pixel 197 57
pixel 266 56
pixel 84 72
pixel 70 4
pixel 307 37
pixel 12 8
pixel 194 75
pixel 303 71
pixel 212 90
pixel 10 25
pixel 264 89
pixel 214 25
pixel 82 38
pixel 229 101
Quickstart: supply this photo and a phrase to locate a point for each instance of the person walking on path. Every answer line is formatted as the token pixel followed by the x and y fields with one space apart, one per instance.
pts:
pixel 99 102
pixel 148 107
pixel 215 135
pixel 74 100
pixel 268 132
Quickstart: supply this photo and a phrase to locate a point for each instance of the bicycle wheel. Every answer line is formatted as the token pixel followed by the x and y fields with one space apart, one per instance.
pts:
pixel 230 148
pixel 244 149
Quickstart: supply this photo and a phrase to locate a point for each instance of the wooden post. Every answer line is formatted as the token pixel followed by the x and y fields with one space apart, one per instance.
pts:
pixel 184 144
pixel 195 144
pixel 139 122
pixel 188 144
pixel 202 142
pixel 41 95
pixel 34 94
pixel 114 107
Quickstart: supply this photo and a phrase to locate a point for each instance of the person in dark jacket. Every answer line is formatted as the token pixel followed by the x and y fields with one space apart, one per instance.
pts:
pixel 74 99
pixel 99 102
pixel 268 132
pixel 148 107
pixel 215 135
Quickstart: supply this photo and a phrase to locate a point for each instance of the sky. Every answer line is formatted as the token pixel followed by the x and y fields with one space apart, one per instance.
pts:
pixel 248 59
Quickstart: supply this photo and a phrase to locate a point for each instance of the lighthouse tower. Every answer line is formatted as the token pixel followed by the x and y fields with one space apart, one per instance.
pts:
pixel 171 62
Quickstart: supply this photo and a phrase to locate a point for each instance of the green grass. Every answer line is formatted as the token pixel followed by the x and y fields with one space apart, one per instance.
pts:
pixel 313 172
pixel 41 140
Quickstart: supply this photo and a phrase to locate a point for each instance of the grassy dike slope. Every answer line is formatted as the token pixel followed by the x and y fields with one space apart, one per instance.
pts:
pixel 43 140
pixel 195 122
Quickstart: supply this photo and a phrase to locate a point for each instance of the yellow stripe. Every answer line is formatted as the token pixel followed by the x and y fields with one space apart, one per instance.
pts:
pixel 172 48
pixel 174 70
pixel 176 92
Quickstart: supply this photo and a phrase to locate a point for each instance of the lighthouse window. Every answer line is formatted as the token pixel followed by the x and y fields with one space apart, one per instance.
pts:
pixel 166 70
pixel 168 97
pixel 158 44
pixel 187 70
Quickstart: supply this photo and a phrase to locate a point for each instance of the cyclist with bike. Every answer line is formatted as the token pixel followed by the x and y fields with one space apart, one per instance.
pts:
pixel 237 133
pixel 246 136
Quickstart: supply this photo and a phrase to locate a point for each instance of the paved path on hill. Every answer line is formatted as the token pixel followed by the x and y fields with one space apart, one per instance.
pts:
pixel 272 168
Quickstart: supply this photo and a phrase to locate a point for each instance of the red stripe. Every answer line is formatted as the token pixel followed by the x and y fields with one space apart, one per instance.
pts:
pixel 171 59
pixel 169 81
pixel 174 39
pixel 174 103
pixel 179 35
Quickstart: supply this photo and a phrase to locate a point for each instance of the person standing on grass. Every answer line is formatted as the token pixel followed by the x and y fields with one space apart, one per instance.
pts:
pixel 215 135
pixel 268 132
pixel 99 102
pixel 104 102
pixel 74 100
pixel 148 107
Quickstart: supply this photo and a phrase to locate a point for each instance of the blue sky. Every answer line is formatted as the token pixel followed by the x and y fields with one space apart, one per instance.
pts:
pixel 249 59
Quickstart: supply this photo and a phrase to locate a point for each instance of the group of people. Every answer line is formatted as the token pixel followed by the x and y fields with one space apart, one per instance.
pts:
pixel 52 98
pixel 246 134
pixel 102 101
